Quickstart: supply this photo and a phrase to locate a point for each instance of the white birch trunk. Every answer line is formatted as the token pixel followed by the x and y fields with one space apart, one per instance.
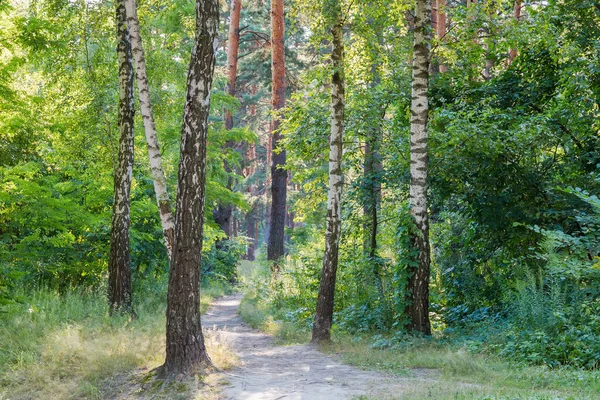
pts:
pixel 324 313
pixel 417 307
pixel 158 174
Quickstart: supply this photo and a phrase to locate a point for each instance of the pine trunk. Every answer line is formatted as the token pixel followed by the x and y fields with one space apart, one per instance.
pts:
pixel 275 249
pixel 185 349
pixel 158 173
pixel 233 46
pixel 251 232
pixel 417 302
pixel 223 213
pixel 441 28
pixel 324 314
pixel 119 268
pixel 517 13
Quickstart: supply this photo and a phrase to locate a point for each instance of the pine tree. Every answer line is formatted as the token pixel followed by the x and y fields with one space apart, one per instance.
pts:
pixel 223 214
pixel 275 248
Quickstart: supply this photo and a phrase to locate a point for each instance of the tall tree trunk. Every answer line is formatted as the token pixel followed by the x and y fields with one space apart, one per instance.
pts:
pixel 185 348
pixel 223 213
pixel 372 177
pixel 417 302
pixel 489 63
pixel 275 249
pixel 158 173
pixel 233 46
pixel 252 233
pixel 441 28
pixel 252 215
pixel 517 13
pixel 119 268
pixel 324 313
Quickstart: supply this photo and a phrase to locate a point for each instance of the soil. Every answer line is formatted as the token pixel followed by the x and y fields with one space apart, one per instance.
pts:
pixel 271 372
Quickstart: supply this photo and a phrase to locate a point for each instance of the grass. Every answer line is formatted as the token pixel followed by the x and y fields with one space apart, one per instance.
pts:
pixel 435 369
pixel 459 374
pixel 258 315
pixel 67 347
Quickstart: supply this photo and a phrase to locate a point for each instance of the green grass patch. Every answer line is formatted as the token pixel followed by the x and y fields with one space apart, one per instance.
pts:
pixel 66 346
pixel 466 375
pixel 255 312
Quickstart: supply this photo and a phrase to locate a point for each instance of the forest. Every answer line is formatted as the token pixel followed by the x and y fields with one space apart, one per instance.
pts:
pixel 299 199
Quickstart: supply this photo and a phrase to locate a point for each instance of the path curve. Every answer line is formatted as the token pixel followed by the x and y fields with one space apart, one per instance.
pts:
pixel 269 372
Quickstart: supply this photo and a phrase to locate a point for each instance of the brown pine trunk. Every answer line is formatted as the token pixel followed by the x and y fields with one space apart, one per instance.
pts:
pixel 275 249
pixel 251 216
pixel 223 213
pixel 185 349
pixel 321 332
pixel 417 294
pixel 441 28
pixel 158 174
pixel 233 46
pixel 517 12
pixel 119 268
pixel 251 227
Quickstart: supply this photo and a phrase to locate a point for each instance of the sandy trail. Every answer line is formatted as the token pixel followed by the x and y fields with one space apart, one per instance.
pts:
pixel 272 372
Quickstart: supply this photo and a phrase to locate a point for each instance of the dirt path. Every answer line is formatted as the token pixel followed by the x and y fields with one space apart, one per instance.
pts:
pixel 272 372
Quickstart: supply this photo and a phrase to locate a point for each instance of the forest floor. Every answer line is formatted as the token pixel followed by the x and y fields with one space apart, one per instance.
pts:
pixel 271 372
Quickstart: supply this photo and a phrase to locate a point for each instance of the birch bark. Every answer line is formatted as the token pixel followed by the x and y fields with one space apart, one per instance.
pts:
pixel 119 268
pixel 185 348
pixel 158 174
pixel 324 314
pixel 417 302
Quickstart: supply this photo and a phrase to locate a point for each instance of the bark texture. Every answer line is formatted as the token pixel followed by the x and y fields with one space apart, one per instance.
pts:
pixel 441 27
pixel 324 314
pixel 119 268
pixel 158 173
pixel 417 302
pixel 223 213
pixel 517 13
pixel 185 349
pixel 233 46
pixel 372 177
pixel 275 248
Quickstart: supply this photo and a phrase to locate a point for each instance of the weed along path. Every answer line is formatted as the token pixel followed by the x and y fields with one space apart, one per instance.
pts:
pixel 272 372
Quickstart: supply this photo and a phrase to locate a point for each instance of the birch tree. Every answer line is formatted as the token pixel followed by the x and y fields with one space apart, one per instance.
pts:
pixel 185 348
pixel 417 302
pixel 324 314
pixel 158 174
pixel 119 268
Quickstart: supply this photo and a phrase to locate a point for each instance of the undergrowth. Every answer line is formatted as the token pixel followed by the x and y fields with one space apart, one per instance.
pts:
pixel 65 346
pixel 465 362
